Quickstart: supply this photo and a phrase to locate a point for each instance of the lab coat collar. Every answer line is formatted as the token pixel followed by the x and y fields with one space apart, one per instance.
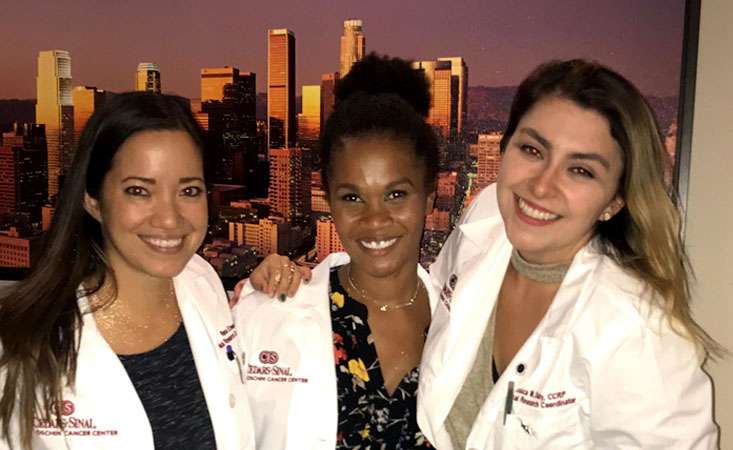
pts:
pixel 98 367
pixel 574 292
pixel 203 316
pixel 103 387
pixel 486 225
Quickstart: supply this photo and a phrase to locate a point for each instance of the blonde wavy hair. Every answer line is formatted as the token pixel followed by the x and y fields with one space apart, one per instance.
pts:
pixel 645 236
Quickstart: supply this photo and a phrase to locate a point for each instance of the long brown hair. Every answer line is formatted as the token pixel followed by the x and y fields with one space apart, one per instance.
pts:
pixel 40 319
pixel 645 235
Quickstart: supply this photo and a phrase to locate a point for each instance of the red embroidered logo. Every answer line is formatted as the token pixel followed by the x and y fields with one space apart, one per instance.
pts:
pixel 67 408
pixel 269 357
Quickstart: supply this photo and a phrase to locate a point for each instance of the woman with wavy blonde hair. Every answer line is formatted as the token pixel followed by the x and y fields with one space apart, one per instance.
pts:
pixel 568 281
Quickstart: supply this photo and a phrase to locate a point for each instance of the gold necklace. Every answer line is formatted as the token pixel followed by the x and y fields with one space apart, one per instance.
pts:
pixel 382 306
pixel 111 317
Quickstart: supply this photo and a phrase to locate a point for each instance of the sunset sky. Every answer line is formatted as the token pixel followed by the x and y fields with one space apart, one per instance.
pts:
pixel 500 40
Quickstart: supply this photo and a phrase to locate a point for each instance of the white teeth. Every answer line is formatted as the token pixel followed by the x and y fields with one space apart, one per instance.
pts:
pixel 536 214
pixel 378 245
pixel 164 243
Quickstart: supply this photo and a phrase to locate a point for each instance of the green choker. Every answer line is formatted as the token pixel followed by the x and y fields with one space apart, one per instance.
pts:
pixel 543 273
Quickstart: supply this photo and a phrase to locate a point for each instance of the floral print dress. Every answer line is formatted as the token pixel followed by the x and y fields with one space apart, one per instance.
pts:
pixel 369 418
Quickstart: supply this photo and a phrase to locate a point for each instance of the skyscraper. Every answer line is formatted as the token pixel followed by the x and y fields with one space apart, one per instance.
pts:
pixel 309 121
pixel 147 77
pixel 281 124
pixel 327 239
pixel 289 193
pixel 86 100
pixel 23 179
pixel 353 44
pixel 488 159
pixel 213 81
pixel 328 97
pixel 444 95
pixel 54 110
pixel 228 101
pixel 459 69
pixel 444 108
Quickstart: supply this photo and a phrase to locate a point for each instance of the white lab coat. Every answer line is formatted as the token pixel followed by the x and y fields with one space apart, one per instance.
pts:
pixel 104 411
pixel 603 369
pixel 291 376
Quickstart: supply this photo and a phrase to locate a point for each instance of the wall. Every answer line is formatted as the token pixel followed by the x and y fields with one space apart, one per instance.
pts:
pixel 710 199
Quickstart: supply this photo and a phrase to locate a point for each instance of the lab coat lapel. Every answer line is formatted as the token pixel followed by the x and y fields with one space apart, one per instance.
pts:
pixel 574 292
pixel 432 295
pixel 197 302
pixel 105 394
pixel 474 298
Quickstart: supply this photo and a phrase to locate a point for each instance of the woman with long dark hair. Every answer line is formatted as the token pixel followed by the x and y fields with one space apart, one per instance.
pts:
pixel 121 337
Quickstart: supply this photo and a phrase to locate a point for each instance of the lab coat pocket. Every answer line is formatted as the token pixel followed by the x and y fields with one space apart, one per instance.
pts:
pixel 546 429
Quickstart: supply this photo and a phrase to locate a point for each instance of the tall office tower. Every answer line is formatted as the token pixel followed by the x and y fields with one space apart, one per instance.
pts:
pixel 319 198
pixel 427 68
pixel 86 100
pixel 327 239
pixel 23 170
pixel 353 44
pixel 54 110
pixel 228 101
pixel 281 124
pixel 459 69
pixel 488 158
pixel 444 109
pixel 147 77
pixel 439 218
pixel 444 95
pixel 213 81
pixel 309 121
pixel 290 194
pixel 328 96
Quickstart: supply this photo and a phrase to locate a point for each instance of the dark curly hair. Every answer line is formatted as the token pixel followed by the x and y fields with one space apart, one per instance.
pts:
pixel 382 96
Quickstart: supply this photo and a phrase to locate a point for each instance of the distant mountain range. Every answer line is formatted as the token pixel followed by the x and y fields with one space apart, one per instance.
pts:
pixel 488 108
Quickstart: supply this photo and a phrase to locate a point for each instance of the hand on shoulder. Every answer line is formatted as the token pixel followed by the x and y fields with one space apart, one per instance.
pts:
pixel 277 276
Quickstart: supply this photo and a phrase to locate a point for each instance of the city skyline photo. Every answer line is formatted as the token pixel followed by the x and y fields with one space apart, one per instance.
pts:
pixel 500 40
pixel 260 81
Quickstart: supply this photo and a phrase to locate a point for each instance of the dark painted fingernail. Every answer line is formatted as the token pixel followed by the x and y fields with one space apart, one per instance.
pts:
pixel 282 298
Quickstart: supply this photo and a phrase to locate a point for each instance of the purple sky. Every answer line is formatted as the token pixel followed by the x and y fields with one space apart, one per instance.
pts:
pixel 501 40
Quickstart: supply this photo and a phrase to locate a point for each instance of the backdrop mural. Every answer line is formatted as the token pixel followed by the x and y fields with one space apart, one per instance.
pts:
pixel 63 59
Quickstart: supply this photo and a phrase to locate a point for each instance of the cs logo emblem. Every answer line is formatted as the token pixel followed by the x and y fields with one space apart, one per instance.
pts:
pixel 269 357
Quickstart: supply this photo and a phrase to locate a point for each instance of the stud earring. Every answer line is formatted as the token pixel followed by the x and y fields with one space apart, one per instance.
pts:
pixel 606 216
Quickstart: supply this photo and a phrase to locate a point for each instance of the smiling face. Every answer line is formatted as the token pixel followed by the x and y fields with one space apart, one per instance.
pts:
pixel 152 205
pixel 379 201
pixel 559 175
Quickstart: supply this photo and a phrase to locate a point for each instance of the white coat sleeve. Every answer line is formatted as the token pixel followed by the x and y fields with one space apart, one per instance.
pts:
pixel 650 392
pixel 448 257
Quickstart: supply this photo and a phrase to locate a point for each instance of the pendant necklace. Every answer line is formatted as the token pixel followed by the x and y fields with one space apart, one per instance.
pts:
pixel 384 307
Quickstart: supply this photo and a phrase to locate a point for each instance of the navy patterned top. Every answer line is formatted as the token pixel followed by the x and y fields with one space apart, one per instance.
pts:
pixel 167 382
pixel 369 418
